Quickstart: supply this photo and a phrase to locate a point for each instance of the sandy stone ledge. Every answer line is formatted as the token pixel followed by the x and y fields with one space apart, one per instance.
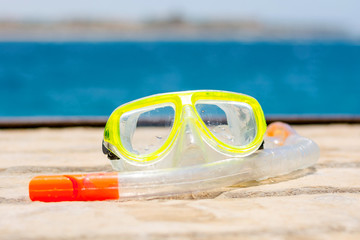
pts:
pixel 322 202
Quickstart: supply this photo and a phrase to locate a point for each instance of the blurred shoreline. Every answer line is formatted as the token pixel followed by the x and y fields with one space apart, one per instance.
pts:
pixel 171 29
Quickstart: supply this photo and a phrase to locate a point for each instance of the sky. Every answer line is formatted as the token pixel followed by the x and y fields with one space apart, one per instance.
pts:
pixel 342 14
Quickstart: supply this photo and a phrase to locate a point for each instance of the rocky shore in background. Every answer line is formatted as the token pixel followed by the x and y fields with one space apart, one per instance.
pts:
pixel 174 28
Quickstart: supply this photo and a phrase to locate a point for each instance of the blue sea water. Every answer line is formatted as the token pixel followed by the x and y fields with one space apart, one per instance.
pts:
pixel 92 79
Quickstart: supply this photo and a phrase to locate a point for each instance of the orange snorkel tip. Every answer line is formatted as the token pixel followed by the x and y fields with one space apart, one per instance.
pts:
pixel 80 187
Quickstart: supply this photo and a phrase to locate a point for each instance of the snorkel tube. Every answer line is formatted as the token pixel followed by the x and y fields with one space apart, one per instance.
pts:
pixel 284 152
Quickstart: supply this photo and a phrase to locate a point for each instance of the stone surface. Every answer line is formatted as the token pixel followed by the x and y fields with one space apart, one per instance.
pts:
pixel 318 203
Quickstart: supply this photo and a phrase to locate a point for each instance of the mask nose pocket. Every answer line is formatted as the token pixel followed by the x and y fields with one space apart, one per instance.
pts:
pixel 190 148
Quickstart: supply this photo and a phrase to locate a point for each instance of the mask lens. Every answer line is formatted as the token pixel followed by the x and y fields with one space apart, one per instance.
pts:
pixel 230 122
pixel 145 130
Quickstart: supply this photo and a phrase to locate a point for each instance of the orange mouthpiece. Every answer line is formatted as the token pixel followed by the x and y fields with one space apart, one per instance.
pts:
pixel 280 130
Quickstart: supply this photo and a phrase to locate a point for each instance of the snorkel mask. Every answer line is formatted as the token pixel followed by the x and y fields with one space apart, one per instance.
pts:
pixel 183 129
pixel 185 142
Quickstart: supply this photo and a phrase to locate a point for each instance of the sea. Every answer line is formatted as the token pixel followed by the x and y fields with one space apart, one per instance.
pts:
pixel 93 78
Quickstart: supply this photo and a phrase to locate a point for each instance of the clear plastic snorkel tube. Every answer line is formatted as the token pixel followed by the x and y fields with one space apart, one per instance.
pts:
pixel 284 152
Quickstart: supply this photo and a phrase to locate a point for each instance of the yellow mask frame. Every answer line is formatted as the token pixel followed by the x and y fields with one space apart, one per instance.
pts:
pixel 179 100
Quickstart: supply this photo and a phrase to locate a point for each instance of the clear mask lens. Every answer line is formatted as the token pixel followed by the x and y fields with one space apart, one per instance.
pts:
pixel 230 122
pixel 145 130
